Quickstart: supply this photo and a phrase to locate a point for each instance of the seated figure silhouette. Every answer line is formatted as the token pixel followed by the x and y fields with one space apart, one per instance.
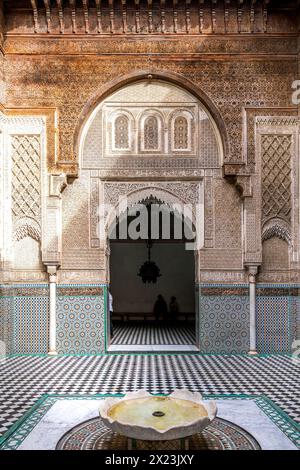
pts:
pixel 173 308
pixel 160 308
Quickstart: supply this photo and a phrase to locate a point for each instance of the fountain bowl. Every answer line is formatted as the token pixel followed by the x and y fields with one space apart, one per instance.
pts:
pixel 140 415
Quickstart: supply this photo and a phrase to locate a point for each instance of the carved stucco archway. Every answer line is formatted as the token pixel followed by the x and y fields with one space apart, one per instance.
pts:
pixel 175 195
pixel 119 196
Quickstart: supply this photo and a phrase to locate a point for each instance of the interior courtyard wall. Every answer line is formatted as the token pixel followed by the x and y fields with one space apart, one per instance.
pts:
pixel 44 73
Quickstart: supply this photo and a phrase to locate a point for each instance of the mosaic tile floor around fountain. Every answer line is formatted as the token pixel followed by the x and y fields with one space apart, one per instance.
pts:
pixel 25 381
pixel 260 425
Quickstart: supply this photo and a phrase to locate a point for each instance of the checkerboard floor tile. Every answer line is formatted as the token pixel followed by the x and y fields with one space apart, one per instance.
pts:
pixel 153 334
pixel 24 379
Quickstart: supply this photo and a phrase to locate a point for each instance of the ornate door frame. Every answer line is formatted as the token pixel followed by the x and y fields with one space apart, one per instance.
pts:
pixel 117 196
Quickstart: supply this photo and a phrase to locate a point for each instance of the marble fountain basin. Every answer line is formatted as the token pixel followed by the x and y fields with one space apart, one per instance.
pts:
pixel 140 415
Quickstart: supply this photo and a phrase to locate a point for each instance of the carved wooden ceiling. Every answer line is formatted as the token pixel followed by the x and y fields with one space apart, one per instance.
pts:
pixel 143 16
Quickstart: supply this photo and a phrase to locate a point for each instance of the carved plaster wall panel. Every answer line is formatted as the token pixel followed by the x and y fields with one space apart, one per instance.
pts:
pixel 230 84
pixel 227 216
pixel 252 228
pixel 66 276
pixel 220 259
pixel 22 202
pixel 169 191
pixel 209 210
pixel 75 214
pixel 275 255
pixel 25 155
pixel 26 176
pixel 52 245
pixel 278 149
pixel 276 177
pixel 279 277
pixel 281 115
pixel 94 209
pixel 150 167
pixel 150 118
pixel 23 276
pixel 80 202
pixel 226 276
pixel 80 242
pixel 82 259
pixel 93 142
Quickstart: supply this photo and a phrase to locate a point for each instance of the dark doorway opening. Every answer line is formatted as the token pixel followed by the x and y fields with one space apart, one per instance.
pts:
pixel 139 320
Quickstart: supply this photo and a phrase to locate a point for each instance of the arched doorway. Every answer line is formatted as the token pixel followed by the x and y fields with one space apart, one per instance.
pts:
pixel 152 279
pixel 150 138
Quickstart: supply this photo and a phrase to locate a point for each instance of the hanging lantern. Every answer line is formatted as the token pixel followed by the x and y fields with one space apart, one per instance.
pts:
pixel 149 271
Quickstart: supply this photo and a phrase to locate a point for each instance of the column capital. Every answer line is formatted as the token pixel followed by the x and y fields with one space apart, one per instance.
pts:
pixel 52 270
pixel 57 183
pixel 252 272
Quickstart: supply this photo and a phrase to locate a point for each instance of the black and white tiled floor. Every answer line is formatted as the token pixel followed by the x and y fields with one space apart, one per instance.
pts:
pixel 153 334
pixel 24 379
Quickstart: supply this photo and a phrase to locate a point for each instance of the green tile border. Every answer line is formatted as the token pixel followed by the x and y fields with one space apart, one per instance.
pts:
pixel 145 353
pixel 13 438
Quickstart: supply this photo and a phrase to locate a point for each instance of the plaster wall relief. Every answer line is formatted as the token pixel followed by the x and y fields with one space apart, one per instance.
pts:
pixel 30 201
pixel 278 150
pixel 221 260
pixel 81 252
pixel 228 216
pixel 26 201
pixel 23 198
pixel 252 226
pixel 234 229
pixel 116 164
pixel 94 209
pixel 209 228
pixel 52 252
pixel 246 84
pixel 150 118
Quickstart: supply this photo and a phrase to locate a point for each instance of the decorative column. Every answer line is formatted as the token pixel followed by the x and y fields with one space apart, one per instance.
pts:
pixel 252 296
pixel 51 252
pixel 52 309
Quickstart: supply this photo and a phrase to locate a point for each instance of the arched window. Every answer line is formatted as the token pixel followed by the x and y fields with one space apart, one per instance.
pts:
pixel 122 132
pixel 181 137
pixel 151 133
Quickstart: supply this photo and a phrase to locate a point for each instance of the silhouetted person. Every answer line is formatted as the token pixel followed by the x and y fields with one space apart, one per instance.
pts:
pixel 110 307
pixel 173 308
pixel 160 308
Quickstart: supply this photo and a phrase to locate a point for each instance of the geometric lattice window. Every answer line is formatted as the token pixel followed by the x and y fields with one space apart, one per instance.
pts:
pixel 276 176
pixel 151 133
pixel 181 137
pixel 122 132
pixel 26 187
